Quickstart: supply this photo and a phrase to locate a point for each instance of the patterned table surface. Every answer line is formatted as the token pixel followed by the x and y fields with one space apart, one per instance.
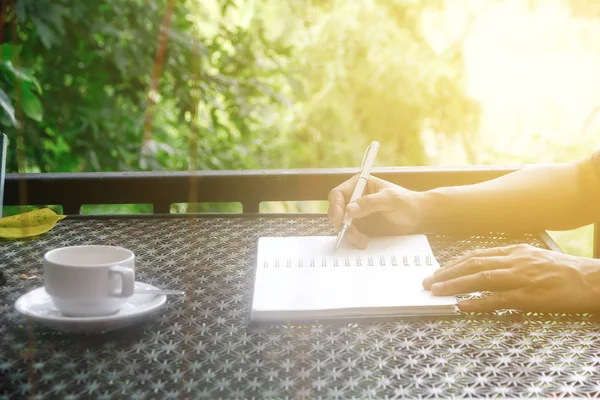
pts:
pixel 202 346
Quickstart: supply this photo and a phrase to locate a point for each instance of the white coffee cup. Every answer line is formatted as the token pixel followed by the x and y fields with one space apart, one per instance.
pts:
pixel 89 280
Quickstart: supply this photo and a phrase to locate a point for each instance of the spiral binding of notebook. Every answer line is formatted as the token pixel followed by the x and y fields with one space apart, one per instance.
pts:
pixel 350 261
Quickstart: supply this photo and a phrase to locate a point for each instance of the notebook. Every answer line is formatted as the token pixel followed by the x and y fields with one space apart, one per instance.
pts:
pixel 305 278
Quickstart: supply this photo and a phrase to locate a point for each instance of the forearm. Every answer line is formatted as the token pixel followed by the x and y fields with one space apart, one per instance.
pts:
pixel 552 197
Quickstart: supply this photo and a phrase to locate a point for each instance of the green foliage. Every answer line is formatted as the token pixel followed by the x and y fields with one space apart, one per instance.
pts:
pixel 96 75
pixel 7 211
pixel 240 84
pixel 17 84
pixel 369 74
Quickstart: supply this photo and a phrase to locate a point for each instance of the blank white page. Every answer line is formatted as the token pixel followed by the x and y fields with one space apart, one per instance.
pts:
pixel 306 273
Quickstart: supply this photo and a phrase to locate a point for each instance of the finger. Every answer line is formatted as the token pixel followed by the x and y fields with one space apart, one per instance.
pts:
pixel 472 266
pixel 347 188
pixel 338 198
pixel 495 280
pixel 336 205
pixel 490 252
pixel 357 238
pixel 381 201
pixel 335 213
pixel 471 263
pixel 510 299
pixel 427 282
pixel 374 184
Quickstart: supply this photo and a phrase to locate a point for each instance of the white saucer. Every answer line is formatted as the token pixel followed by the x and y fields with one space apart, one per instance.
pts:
pixel 38 306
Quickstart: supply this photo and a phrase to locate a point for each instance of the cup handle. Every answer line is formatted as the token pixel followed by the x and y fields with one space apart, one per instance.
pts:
pixel 127 279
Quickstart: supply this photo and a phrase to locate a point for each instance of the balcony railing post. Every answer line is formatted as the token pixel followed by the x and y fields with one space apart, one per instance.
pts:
pixel 71 208
pixel 161 208
pixel 250 207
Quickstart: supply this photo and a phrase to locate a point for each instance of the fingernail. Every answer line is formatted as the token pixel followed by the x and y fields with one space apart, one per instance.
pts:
pixel 437 287
pixel 427 282
pixel 353 208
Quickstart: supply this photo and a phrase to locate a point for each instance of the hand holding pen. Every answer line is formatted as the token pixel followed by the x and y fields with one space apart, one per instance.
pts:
pixel 383 208
pixel 363 178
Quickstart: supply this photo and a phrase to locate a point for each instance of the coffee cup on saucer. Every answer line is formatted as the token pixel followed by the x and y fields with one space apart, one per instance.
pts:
pixel 89 280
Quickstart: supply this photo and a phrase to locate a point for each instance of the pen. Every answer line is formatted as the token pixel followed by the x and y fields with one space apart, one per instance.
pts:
pixel 365 172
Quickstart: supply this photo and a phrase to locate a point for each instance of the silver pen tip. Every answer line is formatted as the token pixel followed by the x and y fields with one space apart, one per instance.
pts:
pixel 340 237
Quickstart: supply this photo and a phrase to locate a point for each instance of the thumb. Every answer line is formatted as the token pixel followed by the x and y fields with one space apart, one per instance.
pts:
pixel 371 203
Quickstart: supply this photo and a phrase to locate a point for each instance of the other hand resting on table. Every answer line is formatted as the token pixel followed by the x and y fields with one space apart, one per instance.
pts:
pixel 522 277
pixel 549 197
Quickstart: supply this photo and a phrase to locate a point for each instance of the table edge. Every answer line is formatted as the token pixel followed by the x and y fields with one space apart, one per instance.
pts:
pixel 543 235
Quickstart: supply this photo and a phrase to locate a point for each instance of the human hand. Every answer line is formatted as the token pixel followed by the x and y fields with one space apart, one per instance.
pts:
pixel 385 209
pixel 522 277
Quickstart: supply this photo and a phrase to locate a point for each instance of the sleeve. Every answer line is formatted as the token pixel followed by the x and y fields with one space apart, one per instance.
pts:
pixel 596 162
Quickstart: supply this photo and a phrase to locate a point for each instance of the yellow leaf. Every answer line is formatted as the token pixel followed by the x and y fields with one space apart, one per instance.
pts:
pixel 28 224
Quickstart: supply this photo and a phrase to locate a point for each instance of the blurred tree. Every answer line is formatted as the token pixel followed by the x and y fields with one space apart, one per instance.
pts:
pixel 369 73
pixel 96 79
pixel 154 84
pixel 17 88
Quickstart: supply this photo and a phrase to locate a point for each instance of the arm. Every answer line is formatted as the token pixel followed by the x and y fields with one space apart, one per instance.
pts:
pixel 554 197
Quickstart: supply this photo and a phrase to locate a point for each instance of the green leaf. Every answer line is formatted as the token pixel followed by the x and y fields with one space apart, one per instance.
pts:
pixel 9 110
pixel 21 11
pixel 7 51
pixel 55 15
pixel 47 36
pixel 5 120
pixel 32 107
pixel 227 4
pixel 20 73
